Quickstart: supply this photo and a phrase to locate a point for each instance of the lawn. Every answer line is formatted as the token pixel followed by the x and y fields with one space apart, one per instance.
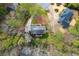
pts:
pixel 48 39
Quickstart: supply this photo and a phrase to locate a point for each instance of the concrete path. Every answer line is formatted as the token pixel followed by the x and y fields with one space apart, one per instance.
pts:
pixel 28 25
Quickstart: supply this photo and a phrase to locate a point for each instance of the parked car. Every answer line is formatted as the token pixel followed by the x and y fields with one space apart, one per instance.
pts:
pixel 65 17
pixel 37 30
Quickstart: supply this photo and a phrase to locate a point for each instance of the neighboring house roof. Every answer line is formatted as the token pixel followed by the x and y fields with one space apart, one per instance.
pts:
pixel 65 17
pixel 38 29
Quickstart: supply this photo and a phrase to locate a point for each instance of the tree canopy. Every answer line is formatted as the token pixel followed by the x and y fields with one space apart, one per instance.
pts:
pixel 3 10
pixel 33 8
pixel 72 5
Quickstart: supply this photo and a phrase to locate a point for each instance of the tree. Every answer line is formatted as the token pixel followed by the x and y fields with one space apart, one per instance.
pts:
pixel 3 12
pixel 22 14
pixel 24 11
pixel 32 8
pixel 72 5
pixel 14 23
pixel 75 43
pixel 12 41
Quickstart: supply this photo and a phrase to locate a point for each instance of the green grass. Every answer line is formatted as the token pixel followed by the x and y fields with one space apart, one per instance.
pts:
pixel 45 36
pixel 75 30
pixel 3 11
pixel 12 41
pixel 2 35
pixel 48 39
pixel 14 23
pixel 40 40
pixel 34 21
pixel 75 43
pixel 58 37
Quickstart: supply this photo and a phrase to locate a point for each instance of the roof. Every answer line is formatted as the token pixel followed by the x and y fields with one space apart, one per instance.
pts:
pixel 65 17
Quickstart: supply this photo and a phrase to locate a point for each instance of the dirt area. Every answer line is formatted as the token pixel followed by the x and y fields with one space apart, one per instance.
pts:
pixel 41 20
pixel 74 18
pixel 73 22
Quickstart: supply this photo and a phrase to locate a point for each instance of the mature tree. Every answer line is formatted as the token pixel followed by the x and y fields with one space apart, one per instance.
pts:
pixel 32 8
pixel 72 5
pixel 3 12
pixel 24 11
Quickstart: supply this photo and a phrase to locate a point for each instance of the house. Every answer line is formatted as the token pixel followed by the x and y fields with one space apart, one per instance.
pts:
pixel 37 30
pixel 65 17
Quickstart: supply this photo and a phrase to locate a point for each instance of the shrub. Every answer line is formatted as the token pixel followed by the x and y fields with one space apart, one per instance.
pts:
pixel 21 41
pixel 72 5
pixel 14 23
pixel 2 35
pixel 6 43
pixel 75 43
pixel 3 11
pixel 40 41
pixel 48 39
pixel 12 41
pixel 74 30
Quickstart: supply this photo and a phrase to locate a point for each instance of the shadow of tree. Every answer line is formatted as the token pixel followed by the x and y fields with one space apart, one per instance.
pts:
pixel 44 36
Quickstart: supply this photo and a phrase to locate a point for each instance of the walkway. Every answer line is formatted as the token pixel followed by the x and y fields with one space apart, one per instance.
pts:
pixel 28 25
